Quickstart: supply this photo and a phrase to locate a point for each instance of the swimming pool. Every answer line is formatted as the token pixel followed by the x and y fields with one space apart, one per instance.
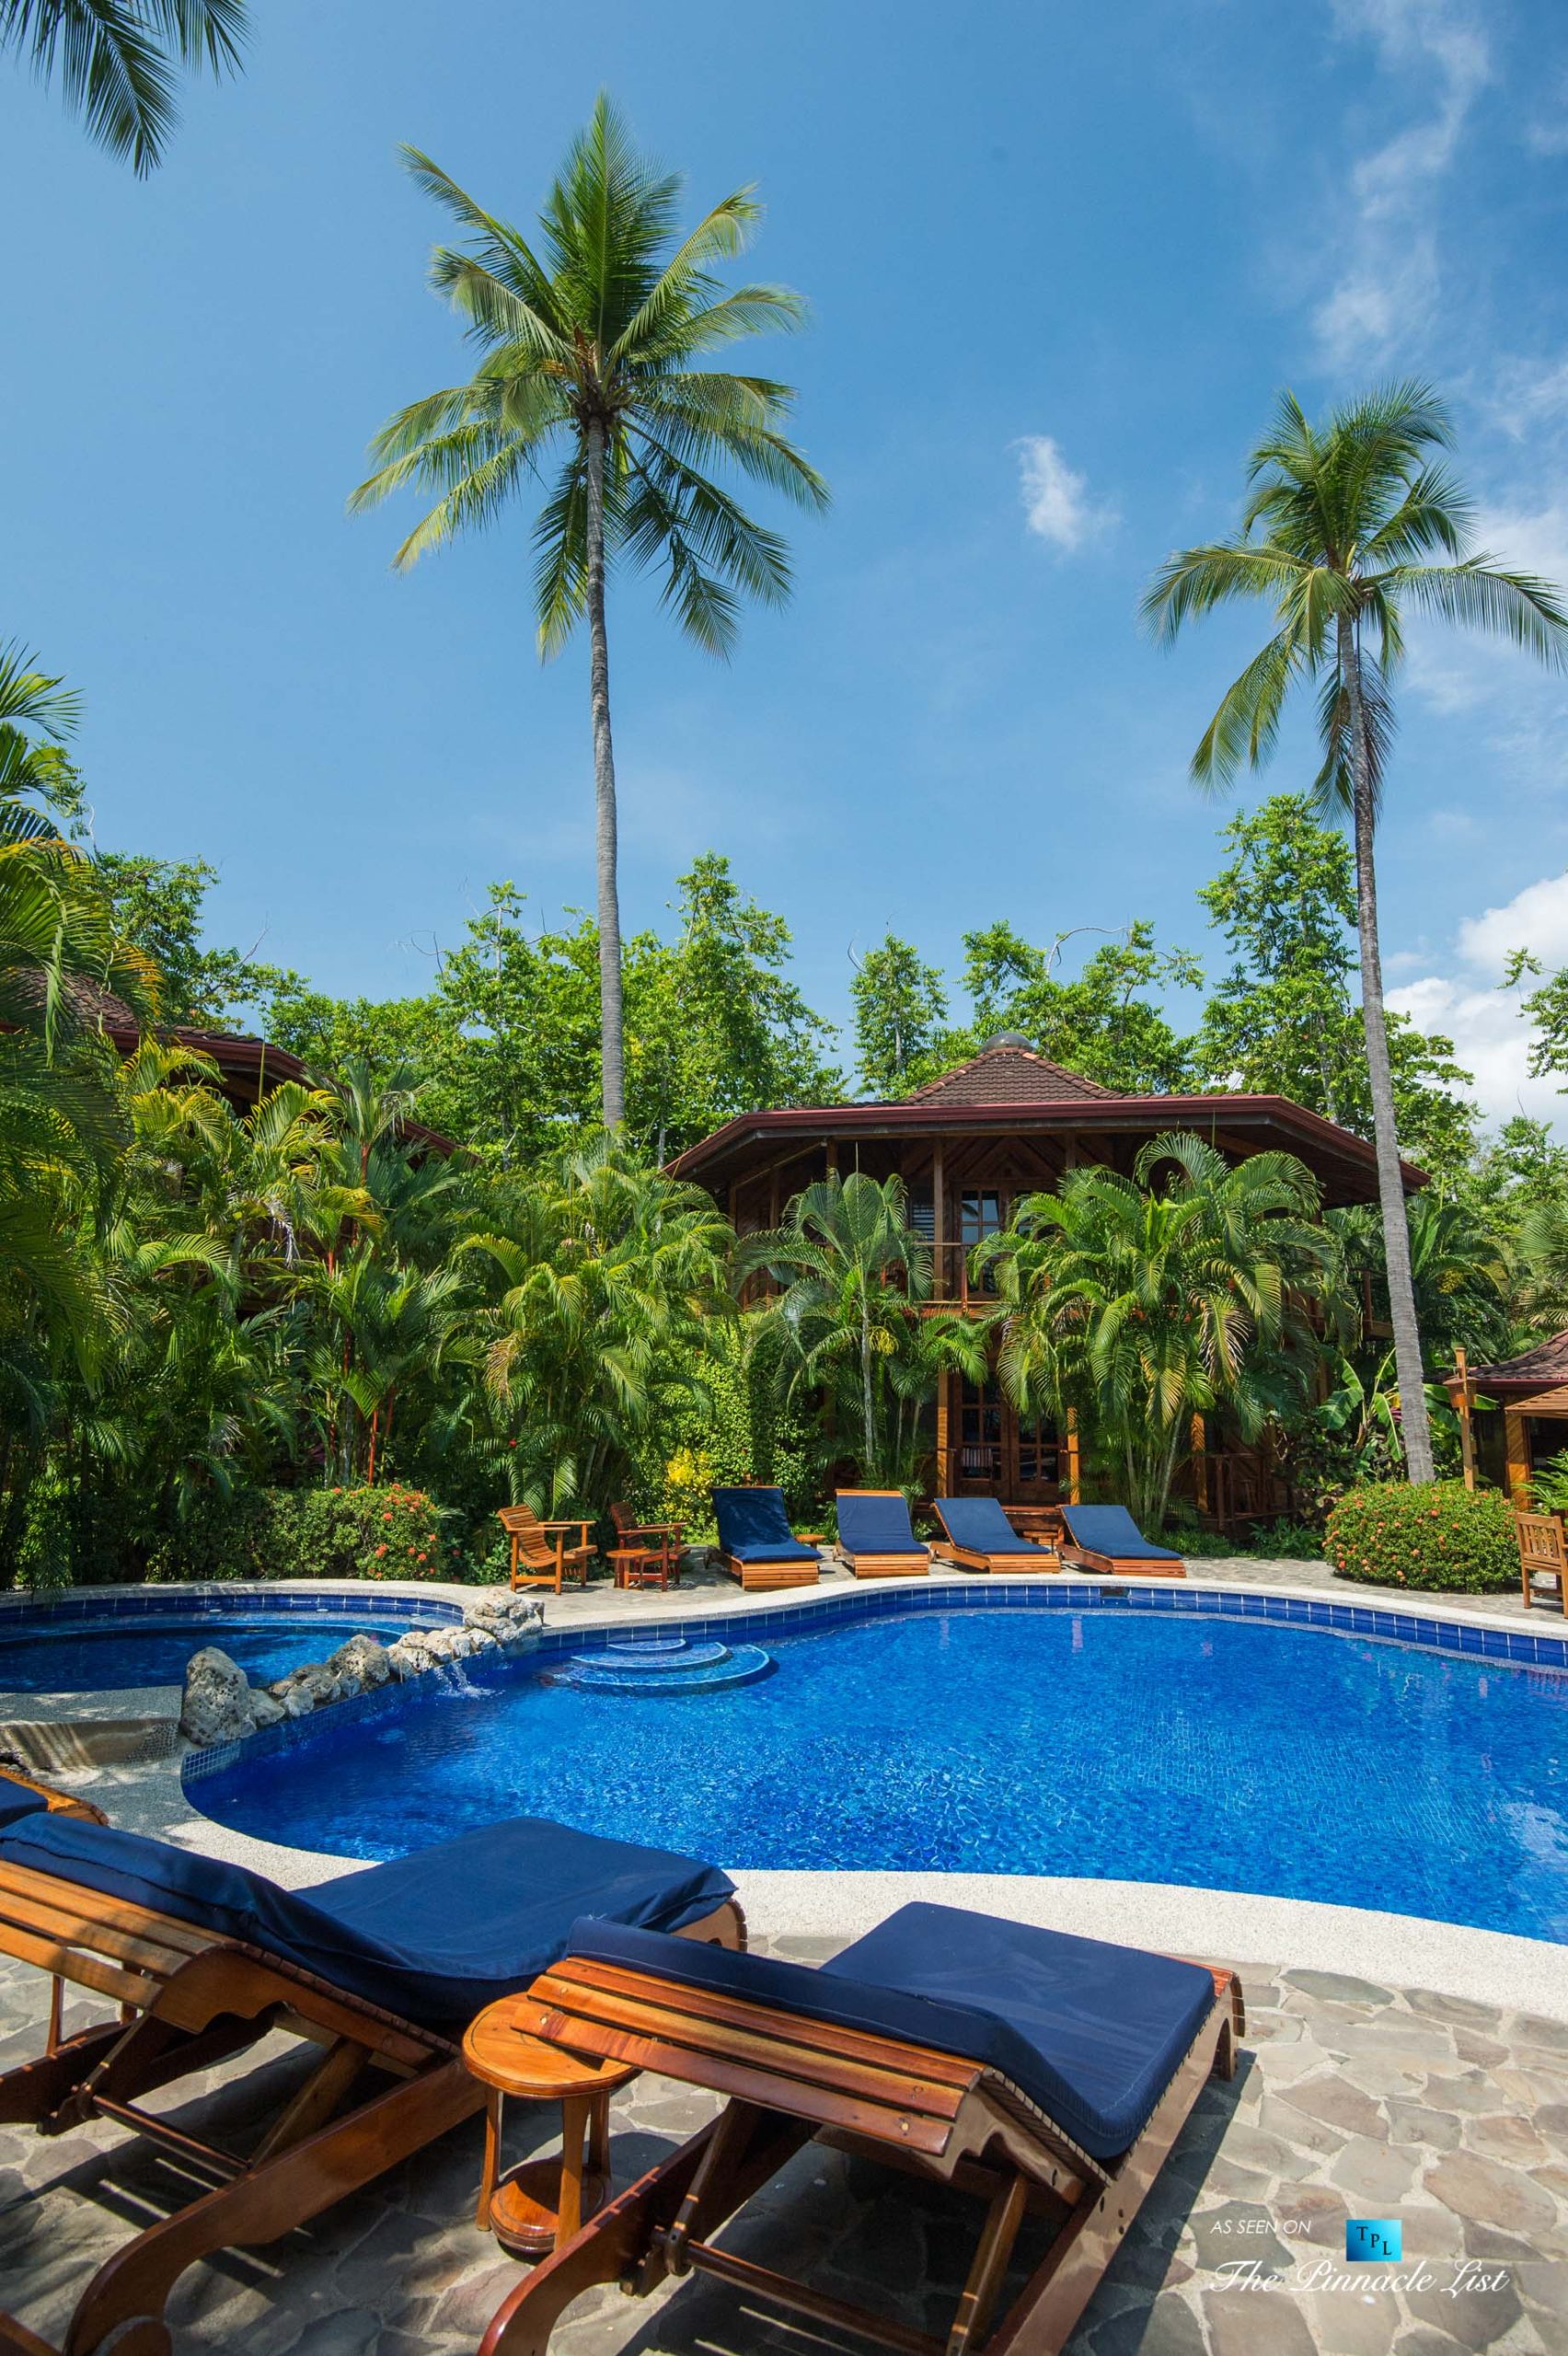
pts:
pixel 92 1646
pixel 1129 1744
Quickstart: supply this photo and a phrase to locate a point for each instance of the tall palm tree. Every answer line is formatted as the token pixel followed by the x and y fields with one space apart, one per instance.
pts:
pixel 590 348
pixel 117 60
pixel 1349 526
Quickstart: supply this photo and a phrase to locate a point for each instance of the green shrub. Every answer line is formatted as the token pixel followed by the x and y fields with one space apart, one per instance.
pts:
pixel 391 1533
pixel 1439 1535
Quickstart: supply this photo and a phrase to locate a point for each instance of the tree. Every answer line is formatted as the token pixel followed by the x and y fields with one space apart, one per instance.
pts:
pixel 1144 1301
pixel 591 350
pixel 853 1274
pixel 1099 1024
pixel 611 1275
pixel 117 60
pixel 1348 526
pixel 900 1014
pixel 1283 1019
pixel 158 905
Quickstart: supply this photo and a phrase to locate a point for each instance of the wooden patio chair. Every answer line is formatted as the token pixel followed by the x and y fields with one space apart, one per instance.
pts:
pixel 202 1960
pixel 540 1556
pixel 661 1540
pixel 876 1537
pixel 977 1536
pixel 1038 2073
pixel 756 1544
pixel 1106 1539
pixel 1543 1555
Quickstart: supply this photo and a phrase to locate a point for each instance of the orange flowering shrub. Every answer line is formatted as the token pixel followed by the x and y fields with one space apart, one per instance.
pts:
pixel 1439 1535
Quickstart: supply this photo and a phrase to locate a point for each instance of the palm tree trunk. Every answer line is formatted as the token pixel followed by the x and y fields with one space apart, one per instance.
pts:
pixel 1390 1186
pixel 611 1043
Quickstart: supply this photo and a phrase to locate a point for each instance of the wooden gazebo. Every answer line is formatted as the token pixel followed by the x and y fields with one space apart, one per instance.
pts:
pixel 1532 1391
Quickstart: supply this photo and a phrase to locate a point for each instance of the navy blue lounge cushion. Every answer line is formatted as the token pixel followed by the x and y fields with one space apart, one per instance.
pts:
pixel 434 1937
pixel 1111 1529
pixel 980 1527
pixel 1093 2034
pixel 872 1521
pixel 754 1527
pixel 17 1801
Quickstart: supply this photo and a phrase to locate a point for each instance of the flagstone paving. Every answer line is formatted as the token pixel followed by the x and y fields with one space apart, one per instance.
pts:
pixel 1354 2100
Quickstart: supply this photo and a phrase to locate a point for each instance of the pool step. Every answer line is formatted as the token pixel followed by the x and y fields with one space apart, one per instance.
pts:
pixel 662 1665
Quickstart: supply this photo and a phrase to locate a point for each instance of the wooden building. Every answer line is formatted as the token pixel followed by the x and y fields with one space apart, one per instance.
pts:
pixel 1532 1391
pixel 1004 1124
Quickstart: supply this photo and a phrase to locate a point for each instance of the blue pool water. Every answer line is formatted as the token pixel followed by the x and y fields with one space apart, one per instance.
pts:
pixel 1229 1753
pixel 82 1657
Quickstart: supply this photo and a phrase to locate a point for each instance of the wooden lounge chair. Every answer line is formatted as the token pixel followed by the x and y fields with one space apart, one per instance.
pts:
pixel 661 1540
pixel 1107 1539
pixel 1040 2072
pixel 381 1969
pixel 1544 1558
pixel 756 1544
pixel 540 1556
pixel 876 1538
pixel 977 1536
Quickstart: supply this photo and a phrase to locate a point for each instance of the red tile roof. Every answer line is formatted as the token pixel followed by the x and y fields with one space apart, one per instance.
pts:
pixel 1003 1073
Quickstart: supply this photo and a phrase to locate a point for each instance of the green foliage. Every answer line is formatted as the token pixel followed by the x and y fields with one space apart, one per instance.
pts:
pixel 1101 1024
pixel 1441 1536
pixel 158 905
pixel 848 1321
pixel 900 1020
pixel 387 1532
pixel 1548 1484
pixel 598 329
pixel 1283 1019
pixel 116 59
pixel 1144 1301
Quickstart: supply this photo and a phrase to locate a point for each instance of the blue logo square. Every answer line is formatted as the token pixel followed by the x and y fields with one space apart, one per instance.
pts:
pixel 1369 2240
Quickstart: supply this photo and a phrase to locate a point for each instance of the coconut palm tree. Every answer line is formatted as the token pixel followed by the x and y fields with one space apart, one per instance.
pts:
pixel 592 343
pixel 1350 525
pixel 1145 1301
pixel 117 60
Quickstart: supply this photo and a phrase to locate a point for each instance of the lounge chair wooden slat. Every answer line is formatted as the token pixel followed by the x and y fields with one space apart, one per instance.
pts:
pixel 919 2063
pixel 780 2055
pixel 85 1971
pixel 110 1913
pixel 72 1929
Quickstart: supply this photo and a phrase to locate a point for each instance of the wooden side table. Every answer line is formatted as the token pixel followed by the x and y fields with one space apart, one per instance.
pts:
pixel 538 2207
pixel 639 1567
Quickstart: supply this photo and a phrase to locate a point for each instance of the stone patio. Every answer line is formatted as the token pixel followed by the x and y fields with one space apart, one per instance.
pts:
pixel 1353 2099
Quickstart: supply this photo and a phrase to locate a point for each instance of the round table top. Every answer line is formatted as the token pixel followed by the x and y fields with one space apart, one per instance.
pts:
pixel 503 2050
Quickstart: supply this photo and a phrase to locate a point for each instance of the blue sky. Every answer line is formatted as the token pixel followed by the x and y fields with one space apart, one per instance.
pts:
pixel 1059 261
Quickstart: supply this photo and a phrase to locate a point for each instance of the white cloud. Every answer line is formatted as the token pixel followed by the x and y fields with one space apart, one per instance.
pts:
pixel 1491 1039
pixel 1535 919
pixel 1389 288
pixel 1056 504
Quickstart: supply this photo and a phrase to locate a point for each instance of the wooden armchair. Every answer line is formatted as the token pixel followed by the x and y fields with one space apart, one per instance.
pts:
pixel 540 1556
pixel 661 1541
pixel 1543 1554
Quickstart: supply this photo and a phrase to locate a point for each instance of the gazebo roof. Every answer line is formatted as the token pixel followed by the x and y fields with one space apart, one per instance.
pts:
pixel 1008 1091
pixel 1541 1368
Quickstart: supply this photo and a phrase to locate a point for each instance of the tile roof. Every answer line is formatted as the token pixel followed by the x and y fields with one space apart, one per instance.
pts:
pixel 1547 1363
pixel 1006 1073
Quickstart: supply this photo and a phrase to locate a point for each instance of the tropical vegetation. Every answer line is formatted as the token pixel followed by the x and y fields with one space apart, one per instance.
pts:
pixel 596 340
pixel 1349 528
pixel 118 60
